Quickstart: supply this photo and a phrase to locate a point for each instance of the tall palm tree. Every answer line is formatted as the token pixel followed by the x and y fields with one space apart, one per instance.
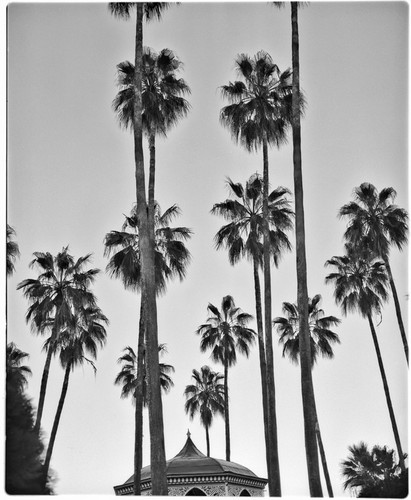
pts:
pixel 205 397
pixel 83 335
pixel 16 373
pixel 128 375
pixel 171 259
pixel 162 100
pixel 374 472
pixel 225 333
pixel 375 222
pixel 321 342
pixel 361 285
pixel 242 237
pixel 146 230
pixel 258 115
pixel 60 290
pixel 12 250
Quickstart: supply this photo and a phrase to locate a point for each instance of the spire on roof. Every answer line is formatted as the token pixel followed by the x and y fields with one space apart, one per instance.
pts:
pixel 188 433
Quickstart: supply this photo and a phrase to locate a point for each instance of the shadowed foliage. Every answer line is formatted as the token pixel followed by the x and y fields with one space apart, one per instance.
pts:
pixel 374 473
pixel 12 250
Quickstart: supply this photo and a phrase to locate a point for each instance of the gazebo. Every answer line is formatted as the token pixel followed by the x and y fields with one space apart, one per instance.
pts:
pixel 191 473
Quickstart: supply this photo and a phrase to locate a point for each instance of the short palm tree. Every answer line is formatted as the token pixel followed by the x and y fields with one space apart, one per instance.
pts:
pixel 171 260
pixel 374 472
pixel 225 333
pixel 16 373
pixel 127 377
pixel 361 286
pixel 60 290
pixel 83 335
pixel 321 340
pixel 258 115
pixel 12 250
pixel 206 397
pixel 146 228
pixel 243 236
pixel 376 223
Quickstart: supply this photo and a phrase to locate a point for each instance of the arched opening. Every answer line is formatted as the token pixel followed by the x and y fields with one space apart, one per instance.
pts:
pixel 245 493
pixel 195 492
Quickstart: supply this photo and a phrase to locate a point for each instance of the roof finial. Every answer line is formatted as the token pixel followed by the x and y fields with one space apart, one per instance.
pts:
pixel 188 433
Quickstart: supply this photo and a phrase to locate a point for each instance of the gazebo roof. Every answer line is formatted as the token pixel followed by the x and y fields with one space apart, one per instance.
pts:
pixel 191 462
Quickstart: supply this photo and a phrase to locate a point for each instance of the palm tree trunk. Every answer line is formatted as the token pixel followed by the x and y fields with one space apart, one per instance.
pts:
pixel 302 294
pixel 274 480
pixel 139 402
pixel 158 462
pixel 324 461
pixel 56 422
pixel 226 414
pixel 43 388
pixel 207 440
pixel 387 393
pixel 397 307
pixel 151 178
pixel 263 364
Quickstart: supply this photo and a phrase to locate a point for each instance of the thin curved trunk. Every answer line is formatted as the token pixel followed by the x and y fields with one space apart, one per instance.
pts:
pixel 56 422
pixel 263 364
pixel 139 403
pixel 387 393
pixel 274 480
pixel 324 461
pixel 146 233
pixel 207 440
pixel 226 414
pixel 301 264
pixel 43 388
pixel 397 307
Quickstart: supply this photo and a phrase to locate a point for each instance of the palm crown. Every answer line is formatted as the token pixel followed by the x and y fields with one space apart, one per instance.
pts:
pixel 162 92
pixel 151 10
pixel 360 282
pixel 321 337
pixel 12 250
pixel 242 236
pixel 374 220
pixel 16 373
pixel 61 288
pixel 171 254
pixel 226 332
pixel 260 103
pixel 127 377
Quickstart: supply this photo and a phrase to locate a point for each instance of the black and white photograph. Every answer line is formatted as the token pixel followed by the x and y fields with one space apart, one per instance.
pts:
pixel 206 220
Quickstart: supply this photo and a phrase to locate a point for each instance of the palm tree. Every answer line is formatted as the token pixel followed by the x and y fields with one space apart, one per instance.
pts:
pixel 205 397
pixel 127 377
pixel 361 285
pixel 83 335
pixel 16 373
pixel 374 473
pixel 12 250
pixel 242 237
pixel 375 222
pixel 321 339
pixel 225 333
pixel 60 290
pixel 146 231
pixel 171 259
pixel 162 99
pixel 258 116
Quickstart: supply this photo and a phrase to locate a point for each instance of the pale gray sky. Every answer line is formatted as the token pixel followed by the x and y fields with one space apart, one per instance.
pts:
pixel 71 177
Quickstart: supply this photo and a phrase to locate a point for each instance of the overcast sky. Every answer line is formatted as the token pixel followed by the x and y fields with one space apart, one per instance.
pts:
pixel 71 179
